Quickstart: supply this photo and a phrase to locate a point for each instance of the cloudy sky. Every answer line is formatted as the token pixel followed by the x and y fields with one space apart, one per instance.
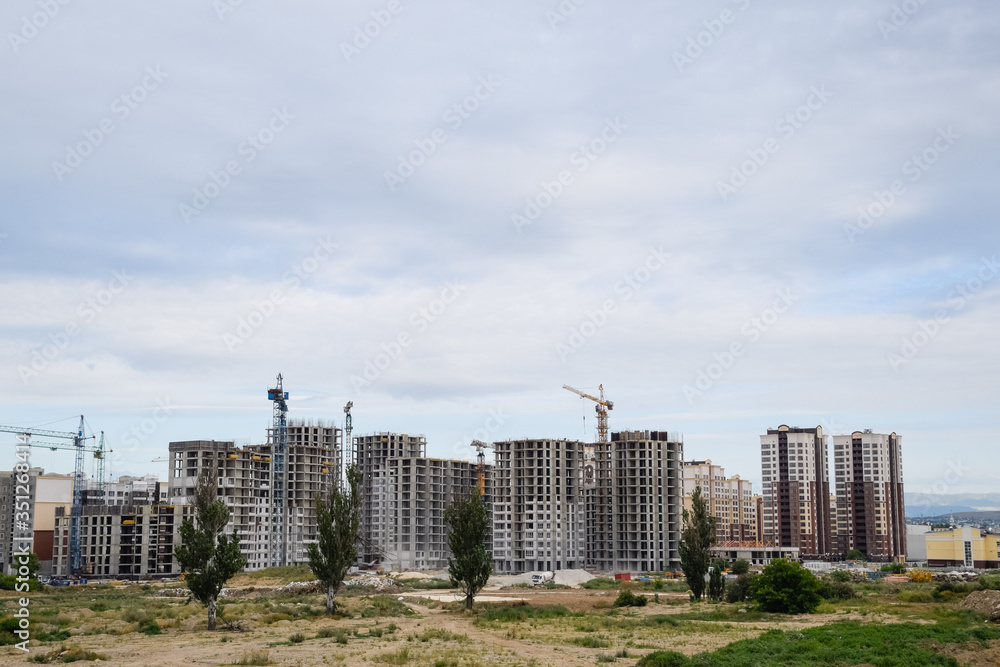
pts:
pixel 733 214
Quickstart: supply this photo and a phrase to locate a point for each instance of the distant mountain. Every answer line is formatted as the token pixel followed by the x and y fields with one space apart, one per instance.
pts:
pixel 967 518
pixel 931 504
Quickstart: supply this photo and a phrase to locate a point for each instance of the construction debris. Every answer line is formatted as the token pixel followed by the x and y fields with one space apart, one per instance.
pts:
pixel 985 602
pixel 379 583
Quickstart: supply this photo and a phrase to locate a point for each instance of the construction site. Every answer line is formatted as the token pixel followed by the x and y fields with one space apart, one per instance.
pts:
pixel 613 505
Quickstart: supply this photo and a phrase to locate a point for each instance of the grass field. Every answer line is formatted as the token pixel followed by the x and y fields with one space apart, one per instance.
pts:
pixel 886 626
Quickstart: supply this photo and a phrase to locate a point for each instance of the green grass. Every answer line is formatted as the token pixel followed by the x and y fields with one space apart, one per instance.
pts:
pixel 591 641
pixel 286 574
pixel 599 584
pixel 845 643
pixel 441 635
pixel 506 613
pixel 66 654
pixel 385 605
pixel 400 657
pixel 254 658
pixel 727 614
pixel 425 584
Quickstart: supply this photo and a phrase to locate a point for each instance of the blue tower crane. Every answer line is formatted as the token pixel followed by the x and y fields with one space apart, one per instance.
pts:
pixel 279 472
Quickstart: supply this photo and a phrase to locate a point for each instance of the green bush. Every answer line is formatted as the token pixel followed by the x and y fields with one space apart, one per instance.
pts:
pixel 717 580
pixel 949 590
pixel 741 590
pixel 599 583
pixel 894 568
pixel 989 583
pixel 629 599
pixel 837 590
pixel 7 627
pixel 297 638
pixel 915 596
pixel 9 583
pixel 840 575
pixel 741 566
pixel 149 626
pixel 663 659
pixel 785 587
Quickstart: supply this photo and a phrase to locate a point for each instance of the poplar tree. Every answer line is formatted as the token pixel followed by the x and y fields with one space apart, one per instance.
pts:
pixel 339 521
pixel 697 538
pixel 205 554
pixel 470 565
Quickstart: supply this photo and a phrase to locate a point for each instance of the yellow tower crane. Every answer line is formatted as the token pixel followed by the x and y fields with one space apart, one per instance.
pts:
pixel 481 447
pixel 602 408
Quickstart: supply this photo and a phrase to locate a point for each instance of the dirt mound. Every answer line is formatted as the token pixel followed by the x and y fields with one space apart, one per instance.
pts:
pixel 572 578
pixel 985 602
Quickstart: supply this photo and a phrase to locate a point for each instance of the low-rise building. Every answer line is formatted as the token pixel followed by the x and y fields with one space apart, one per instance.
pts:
pixel 963 547
pixel 755 555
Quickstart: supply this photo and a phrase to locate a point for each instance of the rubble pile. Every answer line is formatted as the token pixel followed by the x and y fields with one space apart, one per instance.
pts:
pixel 377 582
pixel 954 576
pixel 985 602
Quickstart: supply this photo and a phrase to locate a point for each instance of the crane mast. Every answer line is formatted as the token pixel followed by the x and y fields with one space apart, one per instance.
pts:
pixel 347 450
pixel 76 511
pixel 279 452
pixel 481 448
pixel 601 408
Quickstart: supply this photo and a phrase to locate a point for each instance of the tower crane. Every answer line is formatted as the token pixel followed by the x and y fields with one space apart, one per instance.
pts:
pixel 601 408
pixel 347 451
pixel 481 447
pixel 78 438
pixel 279 451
